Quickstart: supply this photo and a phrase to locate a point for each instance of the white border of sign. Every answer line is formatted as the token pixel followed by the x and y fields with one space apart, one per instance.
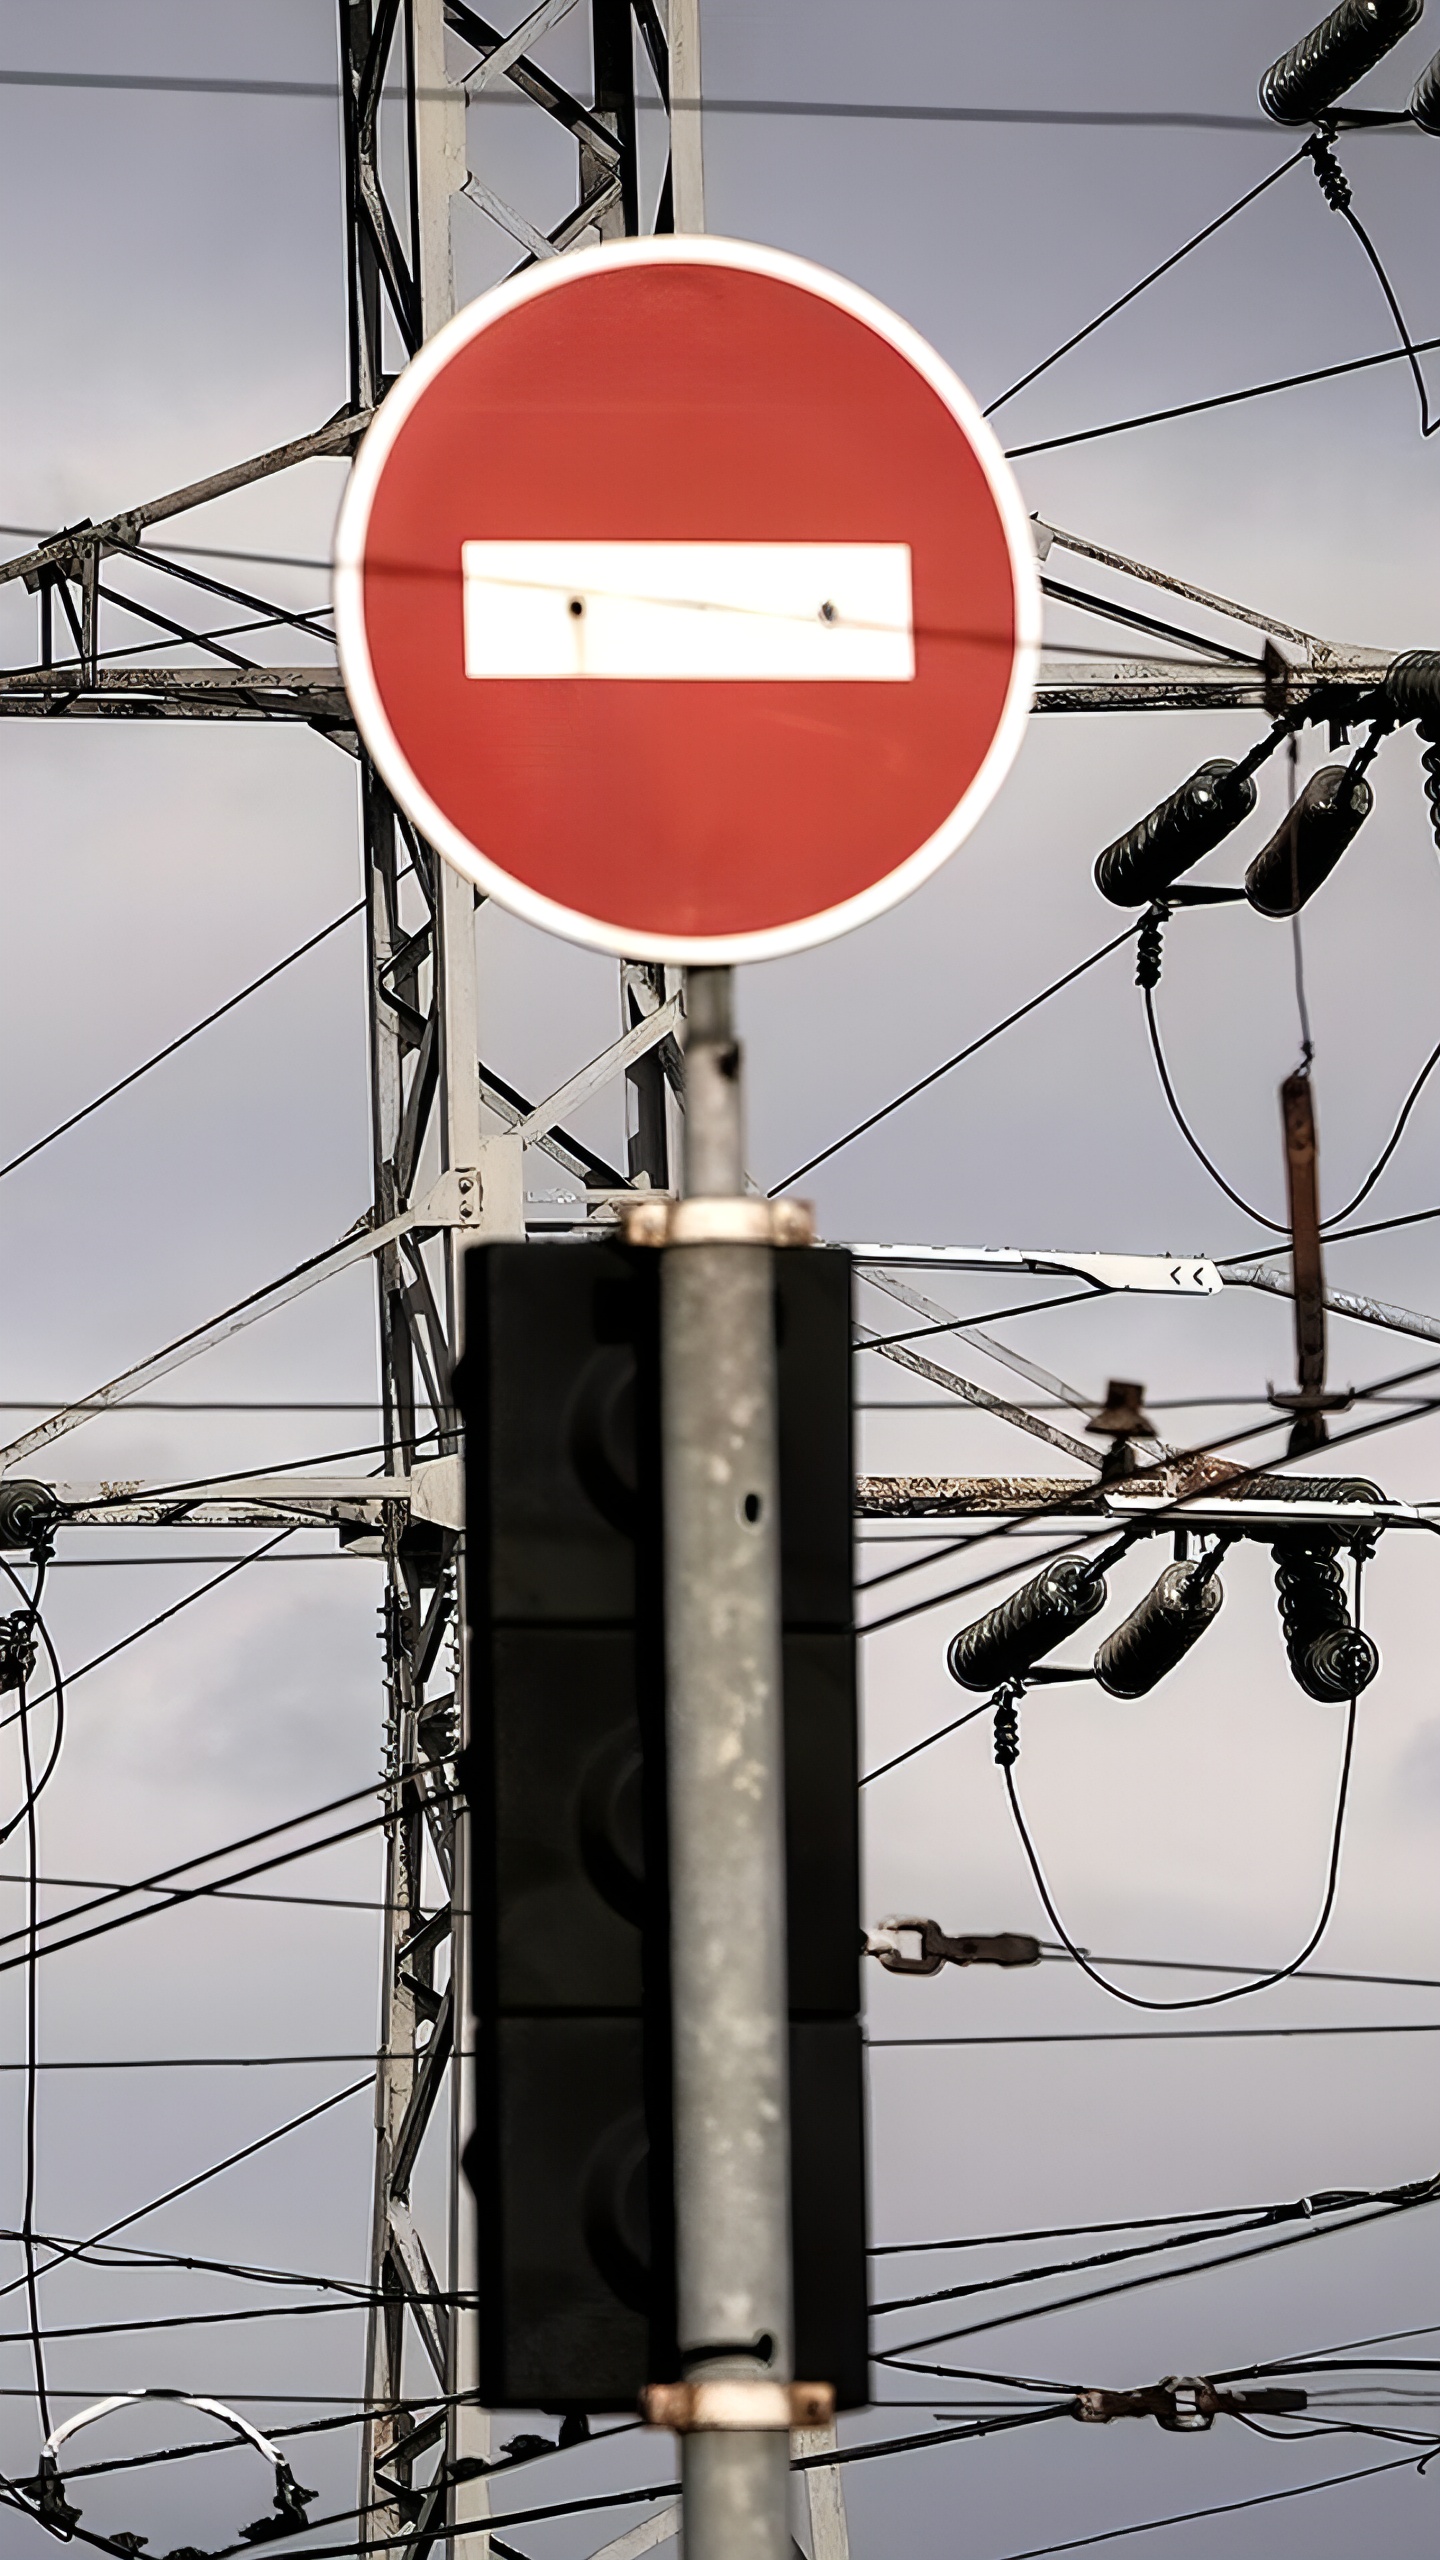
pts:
pixel 553 275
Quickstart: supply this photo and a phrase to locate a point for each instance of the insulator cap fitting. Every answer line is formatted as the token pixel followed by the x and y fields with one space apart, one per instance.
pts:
pixel 1141 864
pixel 1340 1664
pixel 1173 1615
pixel 1425 97
pixel 1323 65
pixel 27 1511
pixel 1411 685
pixel 1041 1614
pixel 1306 846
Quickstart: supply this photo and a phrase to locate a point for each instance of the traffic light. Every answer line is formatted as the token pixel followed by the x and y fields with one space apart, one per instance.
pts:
pixel 565 1777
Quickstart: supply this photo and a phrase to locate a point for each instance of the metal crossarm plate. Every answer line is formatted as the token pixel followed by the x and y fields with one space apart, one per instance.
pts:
pixel 1166 1274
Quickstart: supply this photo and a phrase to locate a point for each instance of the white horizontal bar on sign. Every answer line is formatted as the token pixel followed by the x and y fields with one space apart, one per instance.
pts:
pixel 737 612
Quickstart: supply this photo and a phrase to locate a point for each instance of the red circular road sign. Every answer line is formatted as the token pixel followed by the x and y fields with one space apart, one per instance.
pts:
pixel 685 601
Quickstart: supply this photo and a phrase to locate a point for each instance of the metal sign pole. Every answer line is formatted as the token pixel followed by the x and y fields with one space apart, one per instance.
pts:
pixel 723 1722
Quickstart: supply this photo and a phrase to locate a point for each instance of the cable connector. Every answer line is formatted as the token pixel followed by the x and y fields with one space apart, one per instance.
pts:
pixel 1148 948
pixel 936 1950
pixel 1334 185
pixel 1185 2404
pixel 1007 1729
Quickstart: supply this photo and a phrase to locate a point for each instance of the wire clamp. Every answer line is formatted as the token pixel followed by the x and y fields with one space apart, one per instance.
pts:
pixel 935 1949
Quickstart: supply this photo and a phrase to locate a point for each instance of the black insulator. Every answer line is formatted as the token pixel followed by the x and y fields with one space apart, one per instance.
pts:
pixel 1411 686
pixel 1430 765
pixel 1425 97
pixel 1330 1657
pixel 1141 864
pixel 1041 1614
pixel 1305 848
pixel 1173 1615
pixel 1323 65
pixel 27 1511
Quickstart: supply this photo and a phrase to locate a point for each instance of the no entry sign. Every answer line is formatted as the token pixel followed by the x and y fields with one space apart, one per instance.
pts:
pixel 685 601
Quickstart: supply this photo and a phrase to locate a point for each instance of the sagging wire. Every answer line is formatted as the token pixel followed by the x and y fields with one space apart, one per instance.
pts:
pixel 1335 187
pixel 1007 1752
pixel 20 1650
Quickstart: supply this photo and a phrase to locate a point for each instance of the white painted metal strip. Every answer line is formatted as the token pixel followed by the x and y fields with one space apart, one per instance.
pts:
pixel 742 612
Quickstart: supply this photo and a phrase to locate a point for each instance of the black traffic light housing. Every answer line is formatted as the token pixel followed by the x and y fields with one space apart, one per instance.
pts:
pixel 565 1776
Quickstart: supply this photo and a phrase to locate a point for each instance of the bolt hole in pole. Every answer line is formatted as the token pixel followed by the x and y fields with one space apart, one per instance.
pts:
pixel 751 1508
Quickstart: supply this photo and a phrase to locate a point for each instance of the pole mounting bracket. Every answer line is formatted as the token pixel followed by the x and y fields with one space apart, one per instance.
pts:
pixel 751 2407
pixel 702 1220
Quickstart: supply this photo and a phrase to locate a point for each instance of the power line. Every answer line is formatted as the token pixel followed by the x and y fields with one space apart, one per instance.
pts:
pixel 1195 2515
pixel 177 1896
pixel 164 1876
pixel 200 2061
pixel 1219 400
pixel 1278 1226
pixel 1153 2035
pixel 172 1046
pixel 1313 2232
pixel 1145 282
pixel 1076 2266
pixel 969 1051
pixel 247 1475
pixel 1063 2231
pixel 848 110
pixel 186 2186
pixel 162 1615
pixel 1236 1991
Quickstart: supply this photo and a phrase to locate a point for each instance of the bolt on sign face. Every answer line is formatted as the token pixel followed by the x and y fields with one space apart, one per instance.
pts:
pixel 685 601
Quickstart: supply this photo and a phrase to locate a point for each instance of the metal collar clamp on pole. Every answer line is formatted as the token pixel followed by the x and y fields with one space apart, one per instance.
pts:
pixel 703 1219
pixel 763 2408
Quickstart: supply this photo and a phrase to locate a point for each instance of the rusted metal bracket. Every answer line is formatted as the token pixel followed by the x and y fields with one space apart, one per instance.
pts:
pixel 935 1949
pixel 752 2407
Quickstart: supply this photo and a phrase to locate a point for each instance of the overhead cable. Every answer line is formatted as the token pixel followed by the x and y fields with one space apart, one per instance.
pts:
pixel 900 2356
pixel 162 1615
pixel 1335 187
pixel 1221 400
pixel 959 1058
pixel 178 1896
pixel 850 110
pixel 1277 1226
pixel 164 1876
pixel 186 2186
pixel 1164 2035
pixel 194 1031
pixel 1174 259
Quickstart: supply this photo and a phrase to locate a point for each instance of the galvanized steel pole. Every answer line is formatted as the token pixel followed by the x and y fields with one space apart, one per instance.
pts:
pixel 722 1608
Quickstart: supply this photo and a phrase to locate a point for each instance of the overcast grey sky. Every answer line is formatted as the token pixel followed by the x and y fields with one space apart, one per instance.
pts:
pixel 173 299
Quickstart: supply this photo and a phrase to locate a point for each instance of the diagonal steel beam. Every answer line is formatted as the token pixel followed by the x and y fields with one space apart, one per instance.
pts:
pixel 338 436
pixel 612 1062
